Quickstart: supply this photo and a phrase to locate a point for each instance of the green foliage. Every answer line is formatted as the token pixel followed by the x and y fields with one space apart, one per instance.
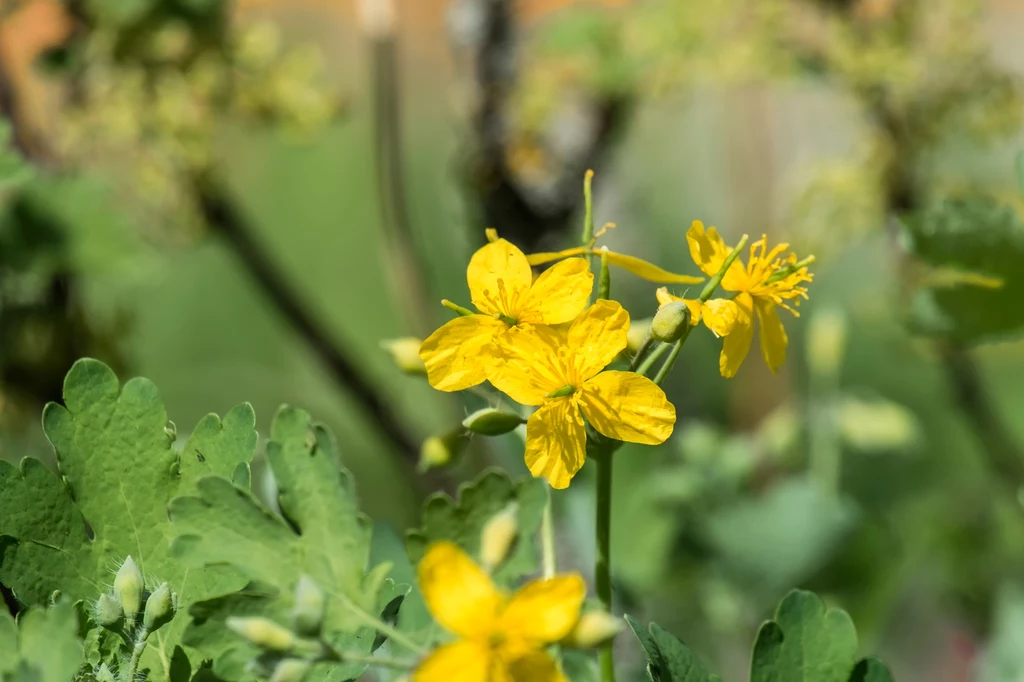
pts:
pixel 462 520
pixel 974 249
pixel 43 645
pixel 321 534
pixel 1003 661
pixel 668 659
pixel 13 168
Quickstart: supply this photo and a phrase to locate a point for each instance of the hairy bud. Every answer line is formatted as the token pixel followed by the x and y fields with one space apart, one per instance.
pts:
pixel 290 670
pixel 107 612
pixel 128 588
pixel 498 536
pixel 593 629
pixel 264 633
pixel 159 608
pixel 671 320
pixel 308 612
pixel 491 421
pixel 406 354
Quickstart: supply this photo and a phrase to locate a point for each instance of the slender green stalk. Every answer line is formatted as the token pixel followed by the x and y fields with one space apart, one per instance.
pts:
pixel 373 621
pixel 547 540
pixel 603 558
pixel 646 365
pixel 379 661
pixel 588 208
pixel 456 307
pixel 133 665
pixel 640 352
pixel 604 280
pixel 671 359
pixel 709 288
pixel 782 273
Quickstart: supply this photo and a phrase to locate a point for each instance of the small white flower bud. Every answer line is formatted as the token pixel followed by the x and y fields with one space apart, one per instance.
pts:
pixel 290 670
pixel 107 612
pixel 128 588
pixel 159 608
pixel 593 629
pixel 264 633
pixel 308 612
pixel 671 320
pixel 498 537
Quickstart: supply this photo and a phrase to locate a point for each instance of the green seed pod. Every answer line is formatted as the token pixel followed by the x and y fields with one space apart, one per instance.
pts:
pixel 491 421
pixel 671 320
pixel 264 633
pixel 128 588
pixel 290 670
pixel 498 537
pixel 107 612
pixel 159 608
pixel 308 612
pixel 593 629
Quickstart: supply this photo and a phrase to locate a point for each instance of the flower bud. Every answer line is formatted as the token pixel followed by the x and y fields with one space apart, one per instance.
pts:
pixel 103 673
pixel 498 537
pixel 290 670
pixel 264 633
pixel 128 588
pixel 308 612
pixel 406 354
pixel 826 342
pixel 593 629
pixel 671 320
pixel 442 451
pixel 159 608
pixel 491 421
pixel 637 334
pixel 107 612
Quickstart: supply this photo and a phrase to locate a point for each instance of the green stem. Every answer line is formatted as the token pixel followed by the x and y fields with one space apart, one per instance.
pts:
pixel 604 281
pixel 588 204
pixel 782 273
pixel 456 307
pixel 379 661
pixel 547 539
pixel 671 360
pixel 603 558
pixel 646 365
pixel 644 347
pixel 382 627
pixel 133 664
pixel 709 288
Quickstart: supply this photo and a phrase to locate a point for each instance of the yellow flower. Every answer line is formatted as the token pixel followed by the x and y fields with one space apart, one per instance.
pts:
pixel 757 289
pixel 718 314
pixel 561 372
pixel 637 266
pixel 501 638
pixel 460 353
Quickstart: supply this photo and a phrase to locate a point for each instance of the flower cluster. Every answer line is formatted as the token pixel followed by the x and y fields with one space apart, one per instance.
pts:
pixel 542 343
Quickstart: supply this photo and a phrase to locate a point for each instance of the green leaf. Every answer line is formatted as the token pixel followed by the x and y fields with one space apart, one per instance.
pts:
pixel 1003 660
pixel 668 659
pixel 14 170
pixel 322 533
pixel 968 246
pixel 580 666
pixel 462 520
pixel 119 467
pixel 774 541
pixel 43 646
pixel 871 670
pixel 805 643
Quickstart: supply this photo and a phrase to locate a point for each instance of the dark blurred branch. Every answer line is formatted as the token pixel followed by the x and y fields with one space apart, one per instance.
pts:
pixel 503 202
pixel 223 215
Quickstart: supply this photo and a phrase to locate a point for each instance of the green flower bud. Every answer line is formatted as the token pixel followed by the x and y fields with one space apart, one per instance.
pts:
pixel 104 673
pixel 443 451
pixel 593 629
pixel 498 537
pixel 159 608
pixel 406 354
pixel 638 330
pixel 491 421
pixel 128 588
pixel 308 612
pixel 671 320
pixel 264 633
pixel 290 670
pixel 107 612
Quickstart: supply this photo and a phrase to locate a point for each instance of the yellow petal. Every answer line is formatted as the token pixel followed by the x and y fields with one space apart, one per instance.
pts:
pixel 459 354
pixel 528 368
pixel 694 306
pixel 737 343
pixel 556 442
pixel 772 334
pixel 596 337
pixel 649 271
pixel 536 666
pixel 498 275
pixel 463 661
pixel 709 252
pixel 458 593
pixel 627 406
pixel 559 294
pixel 720 316
pixel 544 611
pixel 548 256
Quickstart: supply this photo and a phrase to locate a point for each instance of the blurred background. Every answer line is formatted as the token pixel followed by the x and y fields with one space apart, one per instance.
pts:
pixel 242 200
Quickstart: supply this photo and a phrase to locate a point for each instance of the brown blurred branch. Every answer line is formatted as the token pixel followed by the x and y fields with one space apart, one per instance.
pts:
pixel 501 198
pixel 222 214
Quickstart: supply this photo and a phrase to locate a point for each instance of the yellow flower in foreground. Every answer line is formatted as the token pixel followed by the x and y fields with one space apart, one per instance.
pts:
pixel 561 372
pixel 501 638
pixel 718 314
pixel 460 353
pixel 757 290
